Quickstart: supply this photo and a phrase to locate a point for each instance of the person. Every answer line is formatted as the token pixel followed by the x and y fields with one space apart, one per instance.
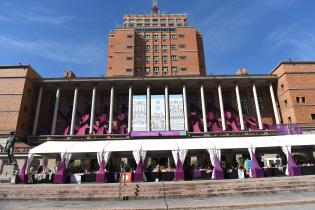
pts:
pixel 248 166
pixel 9 147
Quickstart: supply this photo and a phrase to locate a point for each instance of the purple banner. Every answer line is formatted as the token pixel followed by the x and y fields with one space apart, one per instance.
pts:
pixel 157 133
pixel 288 129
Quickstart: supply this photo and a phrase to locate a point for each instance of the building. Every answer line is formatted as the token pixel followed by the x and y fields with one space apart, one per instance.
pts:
pixel 159 45
pixel 296 92
pixel 143 97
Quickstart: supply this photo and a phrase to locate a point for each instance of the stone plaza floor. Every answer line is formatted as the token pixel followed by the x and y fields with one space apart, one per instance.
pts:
pixel 301 201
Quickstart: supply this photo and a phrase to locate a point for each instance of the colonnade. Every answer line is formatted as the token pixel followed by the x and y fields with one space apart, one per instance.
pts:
pixel 167 114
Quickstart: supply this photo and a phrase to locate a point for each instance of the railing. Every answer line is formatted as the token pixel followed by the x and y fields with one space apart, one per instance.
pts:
pixel 233 133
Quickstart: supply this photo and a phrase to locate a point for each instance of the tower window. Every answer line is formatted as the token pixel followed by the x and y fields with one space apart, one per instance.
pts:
pixel 155 36
pixel 165 69
pixel 156 69
pixel 313 116
pixel 297 99
pixel 147 58
pixel 173 57
pixel 147 69
pixel 156 58
pixel 164 58
pixel 172 36
pixel 174 69
pixel 164 36
pixel 138 69
pixel 303 100
pixel 285 103
pixel 156 47
pixel 147 37
pixel 147 47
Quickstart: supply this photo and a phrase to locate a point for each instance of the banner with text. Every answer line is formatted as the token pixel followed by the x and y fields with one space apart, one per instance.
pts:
pixel 139 113
pixel 157 113
pixel 176 107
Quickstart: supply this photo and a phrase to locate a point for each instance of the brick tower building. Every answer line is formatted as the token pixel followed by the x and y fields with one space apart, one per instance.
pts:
pixel 155 45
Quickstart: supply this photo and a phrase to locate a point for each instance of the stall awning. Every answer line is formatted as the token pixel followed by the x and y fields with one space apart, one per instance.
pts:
pixel 173 144
pixel 51 147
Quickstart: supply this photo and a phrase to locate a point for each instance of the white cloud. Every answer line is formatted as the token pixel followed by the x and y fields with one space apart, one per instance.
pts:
pixel 76 53
pixel 294 41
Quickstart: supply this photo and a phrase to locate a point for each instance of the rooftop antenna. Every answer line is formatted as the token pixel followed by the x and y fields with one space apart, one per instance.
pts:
pixel 155 9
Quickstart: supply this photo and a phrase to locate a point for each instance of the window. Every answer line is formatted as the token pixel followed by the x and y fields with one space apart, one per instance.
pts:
pixel 165 69
pixel 129 47
pixel 282 87
pixel 156 58
pixel 164 58
pixel 171 24
pixel 156 47
pixel 147 36
pixel 164 36
pixel 182 57
pixel 303 100
pixel 128 70
pixel 129 58
pixel 147 20
pixel 285 103
pixel 170 20
pixel 173 57
pixel 172 36
pixel 147 69
pixel 297 99
pixel 182 46
pixel 147 24
pixel 156 69
pixel 147 47
pixel 147 58
pixel 138 58
pixel 174 69
pixel 138 69
pixel 289 120
pixel 183 69
pixel 164 47
pixel 155 36
pixel 131 25
pixel 313 116
pixel 129 36
pixel 181 35
pixel 173 47
pixel 155 20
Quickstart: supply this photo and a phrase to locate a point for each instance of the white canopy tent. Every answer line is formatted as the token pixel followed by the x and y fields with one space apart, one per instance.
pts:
pixel 50 147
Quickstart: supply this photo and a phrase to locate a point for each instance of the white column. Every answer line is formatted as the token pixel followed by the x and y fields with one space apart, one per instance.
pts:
pixel 221 108
pixel 274 105
pixel 74 110
pixel 185 108
pixel 53 128
pixel 203 106
pixel 111 110
pixel 39 100
pixel 257 107
pixel 130 109
pixel 167 113
pixel 92 111
pixel 148 108
pixel 239 105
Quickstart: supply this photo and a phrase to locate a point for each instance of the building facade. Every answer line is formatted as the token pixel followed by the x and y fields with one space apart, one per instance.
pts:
pixel 159 45
pixel 296 92
pixel 156 85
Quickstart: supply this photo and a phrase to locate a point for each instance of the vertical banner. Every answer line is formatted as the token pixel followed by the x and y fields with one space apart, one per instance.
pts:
pixel 176 110
pixel 157 113
pixel 139 113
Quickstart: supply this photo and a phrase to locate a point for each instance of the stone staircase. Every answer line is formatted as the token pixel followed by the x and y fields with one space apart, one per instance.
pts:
pixel 160 190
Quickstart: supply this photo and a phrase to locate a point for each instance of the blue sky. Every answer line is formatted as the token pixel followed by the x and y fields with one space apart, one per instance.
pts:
pixel 58 35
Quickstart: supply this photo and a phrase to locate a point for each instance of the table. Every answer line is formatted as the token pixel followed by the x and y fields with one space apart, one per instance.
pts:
pixel 161 176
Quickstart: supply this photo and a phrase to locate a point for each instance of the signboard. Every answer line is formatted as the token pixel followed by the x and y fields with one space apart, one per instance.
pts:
pixel 136 134
pixel 176 107
pixel 157 113
pixel 139 113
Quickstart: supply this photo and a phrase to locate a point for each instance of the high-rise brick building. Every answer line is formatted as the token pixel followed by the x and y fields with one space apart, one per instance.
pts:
pixel 155 45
